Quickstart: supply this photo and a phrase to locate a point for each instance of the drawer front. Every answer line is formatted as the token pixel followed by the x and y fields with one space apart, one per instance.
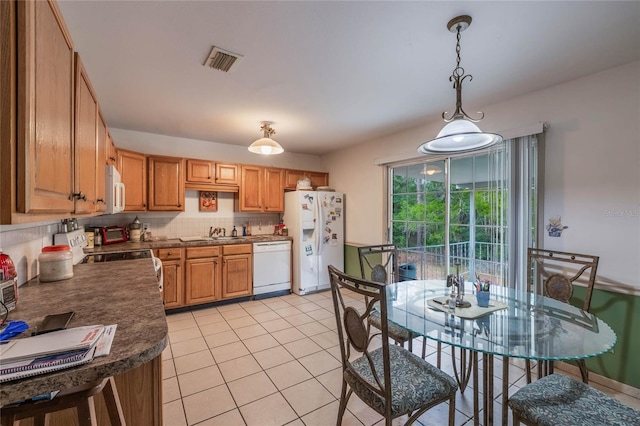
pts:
pixel 174 253
pixel 236 249
pixel 197 252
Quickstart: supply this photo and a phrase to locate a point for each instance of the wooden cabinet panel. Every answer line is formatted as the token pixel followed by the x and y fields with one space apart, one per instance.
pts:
pixel 172 287
pixel 133 172
pixel 166 184
pixel 45 108
pixel 237 278
pixel 273 193
pixel 318 179
pixel 261 189
pixel 86 132
pixel 251 184
pixel 293 176
pixel 200 171
pixel 227 174
pixel 101 163
pixel 203 280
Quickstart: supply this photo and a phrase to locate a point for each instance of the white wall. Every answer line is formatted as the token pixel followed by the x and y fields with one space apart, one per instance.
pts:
pixel 149 143
pixel 592 168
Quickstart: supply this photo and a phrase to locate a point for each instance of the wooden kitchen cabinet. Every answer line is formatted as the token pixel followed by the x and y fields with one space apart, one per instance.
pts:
pixel 39 61
pixel 86 142
pixel 200 171
pixel 166 183
pixel 133 172
pixel 227 174
pixel 261 189
pixel 237 271
pixel 101 163
pixel 173 288
pixel 203 275
pixel 317 178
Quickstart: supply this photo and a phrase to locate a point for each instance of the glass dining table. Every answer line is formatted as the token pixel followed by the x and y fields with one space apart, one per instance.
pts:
pixel 516 324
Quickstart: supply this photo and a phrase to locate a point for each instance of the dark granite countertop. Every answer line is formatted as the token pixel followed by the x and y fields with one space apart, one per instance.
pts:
pixel 178 243
pixel 98 293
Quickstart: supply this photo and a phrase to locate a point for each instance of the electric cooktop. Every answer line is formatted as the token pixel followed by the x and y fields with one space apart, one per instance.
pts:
pixel 116 256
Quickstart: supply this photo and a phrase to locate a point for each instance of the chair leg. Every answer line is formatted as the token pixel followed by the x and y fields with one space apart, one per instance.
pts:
pixel 439 355
pixel 343 403
pixel 583 371
pixel 87 412
pixel 112 400
pixel 410 342
pixel 424 347
pixel 40 420
pixel 452 410
pixel 527 367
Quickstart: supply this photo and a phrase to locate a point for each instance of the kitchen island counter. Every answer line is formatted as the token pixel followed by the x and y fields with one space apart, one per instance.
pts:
pixel 103 293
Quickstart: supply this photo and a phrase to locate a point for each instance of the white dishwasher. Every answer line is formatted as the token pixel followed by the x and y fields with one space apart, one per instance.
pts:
pixel 271 268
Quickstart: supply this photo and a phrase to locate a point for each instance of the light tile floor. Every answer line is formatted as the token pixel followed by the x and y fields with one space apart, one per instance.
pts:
pixel 276 362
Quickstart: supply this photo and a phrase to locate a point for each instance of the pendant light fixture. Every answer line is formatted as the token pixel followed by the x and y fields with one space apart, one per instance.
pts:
pixel 266 145
pixel 460 134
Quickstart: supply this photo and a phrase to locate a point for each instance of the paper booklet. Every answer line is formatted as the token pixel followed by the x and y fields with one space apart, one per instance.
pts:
pixel 19 370
pixel 56 342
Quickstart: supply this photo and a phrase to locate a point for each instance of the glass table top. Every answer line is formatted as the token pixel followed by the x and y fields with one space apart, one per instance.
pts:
pixel 531 326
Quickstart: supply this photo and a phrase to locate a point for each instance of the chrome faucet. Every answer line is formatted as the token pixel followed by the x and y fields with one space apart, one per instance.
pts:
pixel 215 231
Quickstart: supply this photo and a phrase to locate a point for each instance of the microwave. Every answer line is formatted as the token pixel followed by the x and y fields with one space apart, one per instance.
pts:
pixel 114 234
pixel 115 191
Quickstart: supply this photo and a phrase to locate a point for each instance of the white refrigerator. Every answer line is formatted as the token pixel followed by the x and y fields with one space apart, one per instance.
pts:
pixel 315 220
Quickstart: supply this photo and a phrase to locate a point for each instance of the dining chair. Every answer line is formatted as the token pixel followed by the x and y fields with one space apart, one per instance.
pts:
pixel 560 400
pixel 388 378
pixel 379 263
pixel 554 274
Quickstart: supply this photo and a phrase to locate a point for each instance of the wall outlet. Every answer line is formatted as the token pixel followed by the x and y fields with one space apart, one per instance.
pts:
pixel 146 227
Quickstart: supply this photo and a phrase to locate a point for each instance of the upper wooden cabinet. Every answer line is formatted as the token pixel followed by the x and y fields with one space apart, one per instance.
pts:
pixel 86 142
pixel 261 189
pixel 227 174
pixel 317 178
pixel 101 163
pixel 200 171
pixel 166 183
pixel 203 175
pixel 43 132
pixel 133 172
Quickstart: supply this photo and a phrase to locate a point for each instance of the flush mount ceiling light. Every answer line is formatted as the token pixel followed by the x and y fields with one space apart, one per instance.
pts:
pixel 266 145
pixel 460 134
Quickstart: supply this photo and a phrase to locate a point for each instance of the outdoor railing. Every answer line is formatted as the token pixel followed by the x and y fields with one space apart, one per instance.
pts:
pixel 428 262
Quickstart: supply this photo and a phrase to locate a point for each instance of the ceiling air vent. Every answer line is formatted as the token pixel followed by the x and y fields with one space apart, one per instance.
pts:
pixel 222 60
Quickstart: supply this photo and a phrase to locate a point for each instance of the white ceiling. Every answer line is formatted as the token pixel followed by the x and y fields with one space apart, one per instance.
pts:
pixel 327 73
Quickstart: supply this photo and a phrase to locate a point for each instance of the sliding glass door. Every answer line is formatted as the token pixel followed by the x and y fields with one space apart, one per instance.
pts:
pixel 471 213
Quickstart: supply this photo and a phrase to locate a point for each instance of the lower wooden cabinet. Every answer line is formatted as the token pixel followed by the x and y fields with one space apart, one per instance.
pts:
pixel 202 269
pixel 237 271
pixel 173 276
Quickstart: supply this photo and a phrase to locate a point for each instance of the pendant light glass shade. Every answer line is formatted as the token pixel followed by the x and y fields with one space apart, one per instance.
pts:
pixel 460 135
pixel 266 145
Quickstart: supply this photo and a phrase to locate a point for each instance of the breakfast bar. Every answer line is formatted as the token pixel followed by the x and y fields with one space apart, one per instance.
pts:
pixel 100 293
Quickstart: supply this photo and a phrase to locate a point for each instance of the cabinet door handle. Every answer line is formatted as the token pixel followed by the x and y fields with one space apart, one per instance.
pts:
pixel 100 200
pixel 112 158
pixel 78 196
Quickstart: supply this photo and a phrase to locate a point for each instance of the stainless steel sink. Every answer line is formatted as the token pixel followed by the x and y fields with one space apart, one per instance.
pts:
pixel 225 238
pixel 188 239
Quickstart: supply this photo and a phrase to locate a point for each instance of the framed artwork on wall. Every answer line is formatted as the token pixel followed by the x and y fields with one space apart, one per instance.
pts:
pixel 208 201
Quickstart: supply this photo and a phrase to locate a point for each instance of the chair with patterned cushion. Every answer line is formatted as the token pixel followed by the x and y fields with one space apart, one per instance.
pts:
pixel 379 263
pixel 554 274
pixel 560 400
pixel 388 378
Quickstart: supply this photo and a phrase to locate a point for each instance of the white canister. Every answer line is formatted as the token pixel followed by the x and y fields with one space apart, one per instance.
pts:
pixel 56 263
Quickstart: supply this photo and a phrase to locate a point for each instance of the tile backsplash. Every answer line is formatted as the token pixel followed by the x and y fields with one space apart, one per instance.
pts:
pixel 23 243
